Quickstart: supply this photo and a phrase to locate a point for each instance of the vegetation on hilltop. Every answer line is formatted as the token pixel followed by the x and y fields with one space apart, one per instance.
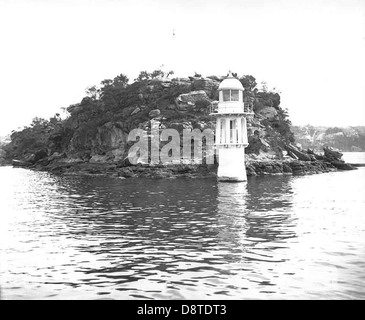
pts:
pixel 99 124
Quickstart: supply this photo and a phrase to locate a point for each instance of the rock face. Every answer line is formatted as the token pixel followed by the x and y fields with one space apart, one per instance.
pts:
pixel 297 154
pixel 38 155
pixel 135 111
pixel 154 113
pixel 195 101
pixel 331 156
pixel 334 157
pixel 2 157
pixel 269 113
pixel 2 153
pixel 182 83
pixel 20 163
pixel 99 159
pixel 110 142
pixel 208 85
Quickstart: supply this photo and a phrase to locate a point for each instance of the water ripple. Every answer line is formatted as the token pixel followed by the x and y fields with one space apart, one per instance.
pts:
pixel 100 237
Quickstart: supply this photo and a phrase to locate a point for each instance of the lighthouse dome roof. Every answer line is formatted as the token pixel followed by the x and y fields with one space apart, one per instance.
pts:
pixel 230 83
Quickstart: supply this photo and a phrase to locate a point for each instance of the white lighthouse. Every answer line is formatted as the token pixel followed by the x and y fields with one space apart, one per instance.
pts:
pixel 231 130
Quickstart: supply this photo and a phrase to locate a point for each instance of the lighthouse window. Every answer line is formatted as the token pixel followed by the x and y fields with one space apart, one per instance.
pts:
pixel 226 95
pixel 234 95
pixel 230 95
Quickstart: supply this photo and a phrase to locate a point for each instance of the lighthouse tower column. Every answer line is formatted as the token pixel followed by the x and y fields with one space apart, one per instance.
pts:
pixel 231 130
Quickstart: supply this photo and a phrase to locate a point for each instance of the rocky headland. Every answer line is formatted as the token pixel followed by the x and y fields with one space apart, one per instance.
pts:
pixel 256 165
pixel 93 139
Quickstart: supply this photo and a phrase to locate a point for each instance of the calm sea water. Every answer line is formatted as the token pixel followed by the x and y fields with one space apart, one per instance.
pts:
pixel 64 237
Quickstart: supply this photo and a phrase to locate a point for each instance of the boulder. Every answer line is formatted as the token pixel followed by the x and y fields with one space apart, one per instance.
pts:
pixel 287 168
pixel 135 111
pixel 56 155
pixel 30 158
pixel 206 84
pixel 162 81
pixel 193 101
pixel 71 160
pixel 342 165
pixel 315 155
pixel 269 113
pixel 332 153
pixel 250 170
pixel 301 155
pixel 20 163
pixel 99 158
pixel 154 113
pixel 183 83
pixel 34 157
pixel 334 156
pixel 40 154
pixel 292 155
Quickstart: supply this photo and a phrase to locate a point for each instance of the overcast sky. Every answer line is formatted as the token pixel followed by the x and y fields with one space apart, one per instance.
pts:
pixel 312 51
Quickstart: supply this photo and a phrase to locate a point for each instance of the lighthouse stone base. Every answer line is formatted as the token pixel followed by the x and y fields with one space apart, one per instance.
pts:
pixel 231 164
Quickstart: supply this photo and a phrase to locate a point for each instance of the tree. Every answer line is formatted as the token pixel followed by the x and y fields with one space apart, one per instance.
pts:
pixel 143 76
pixel 121 81
pixel 39 122
pixel 106 82
pixel 169 73
pixel 248 82
pixel 112 89
pixel 93 92
pixel 157 73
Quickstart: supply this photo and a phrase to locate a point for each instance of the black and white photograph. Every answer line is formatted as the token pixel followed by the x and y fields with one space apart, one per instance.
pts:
pixel 182 150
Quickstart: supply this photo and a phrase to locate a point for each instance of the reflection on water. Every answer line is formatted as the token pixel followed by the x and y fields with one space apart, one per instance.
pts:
pixel 92 237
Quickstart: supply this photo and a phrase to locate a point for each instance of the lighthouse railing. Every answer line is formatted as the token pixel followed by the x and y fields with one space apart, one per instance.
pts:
pixel 228 108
